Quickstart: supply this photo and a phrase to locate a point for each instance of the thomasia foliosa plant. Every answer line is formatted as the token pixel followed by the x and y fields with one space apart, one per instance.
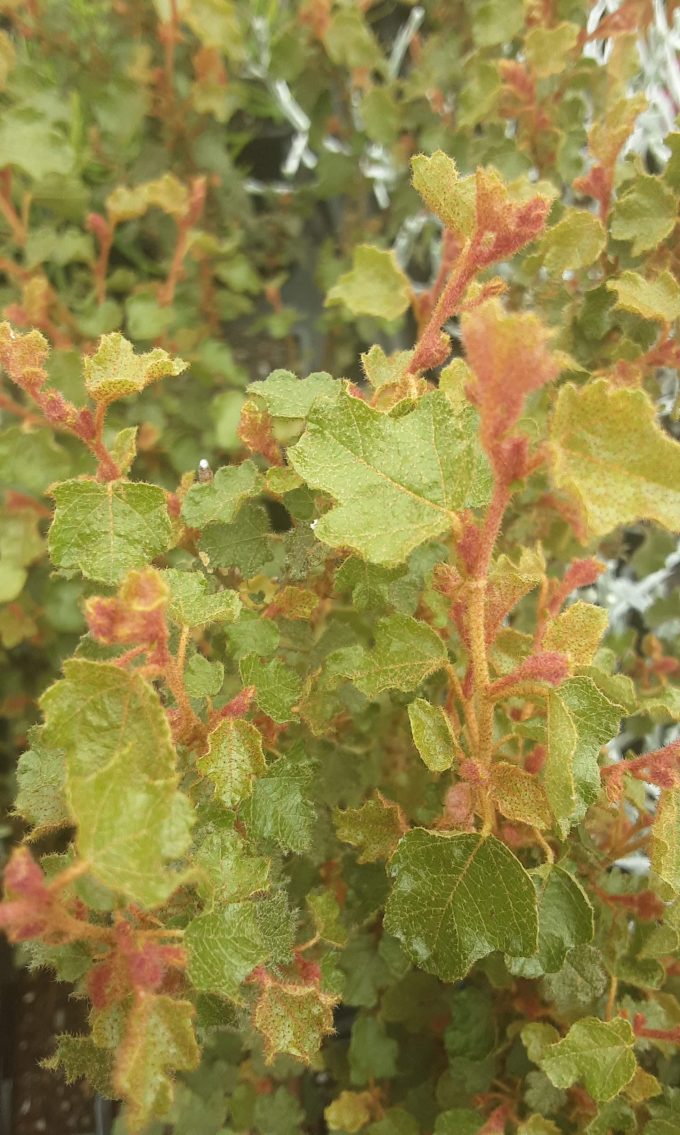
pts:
pixel 333 766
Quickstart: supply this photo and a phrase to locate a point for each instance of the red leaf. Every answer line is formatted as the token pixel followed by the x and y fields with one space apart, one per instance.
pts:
pixel 510 358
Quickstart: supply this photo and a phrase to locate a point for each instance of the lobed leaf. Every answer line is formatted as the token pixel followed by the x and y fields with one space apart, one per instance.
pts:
pixel 457 898
pixel 610 456
pixel 397 482
pixel 104 530
pixel 121 780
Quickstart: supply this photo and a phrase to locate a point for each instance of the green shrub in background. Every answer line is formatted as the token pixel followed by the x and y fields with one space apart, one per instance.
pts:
pixel 353 793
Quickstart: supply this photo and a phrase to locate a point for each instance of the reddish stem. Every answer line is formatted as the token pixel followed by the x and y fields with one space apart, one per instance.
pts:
pixel 428 351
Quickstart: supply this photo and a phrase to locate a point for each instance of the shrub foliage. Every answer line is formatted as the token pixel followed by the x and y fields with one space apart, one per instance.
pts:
pixel 347 801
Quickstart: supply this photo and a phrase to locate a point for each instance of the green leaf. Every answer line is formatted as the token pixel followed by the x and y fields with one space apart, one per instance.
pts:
pixel 397 482
pixel 227 872
pixel 223 947
pixel 610 456
pixel 519 795
pixel 565 919
pixel 375 828
pixel 287 396
pixel 278 924
pixel 406 652
pixel 293 1019
pixel 349 41
pixel 244 544
pixel 20 545
pixel 657 299
pixel 598 1053
pixel 32 459
pixel 233 760
pixel 492 24
pixel 665 842
pixel 114 370
pixel 582 979
pixel 580 720
pixel 145 318
pixel 614 1116
pixel 349 1112
pixel 326 915
pixel 644 214
pixel 458 1121
pixel 203 679
pixel 446 194
pixel 192 604
pixel 547 49
pixel 218 501
pixel 396 1121
pixel 277 688
pixel 375 285
pixel 279 810
pixel 121 782
pixel 33 144
pixel 278 1111
pixel 576 632
pixel 432 734
pixel 41 777
pixel 372 1054
pixel 104 530
pixel 471 1032
pixel 369 583
pixel 381 115
pixel 78 1057
pixel 159 1040
pixel 456 899
pixel 575 242
pixel 251 634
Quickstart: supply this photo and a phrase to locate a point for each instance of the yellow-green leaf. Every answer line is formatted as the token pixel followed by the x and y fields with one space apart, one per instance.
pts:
pixel 121 779
pixel 548 49
pixel 598 1053
pixel 114 370
pixel 293 1019
pixel 519 795
pixel 575 242
pixel 432 734
pixel 104 530
pixel 657 299
pixel 450 197
pixel 609 454
pixel 576 632
pixel 644 214
pixel 665 843
pixel 159 1041
pixel 233 760
pixel 397 481
pixel 405 652
pixel 375 285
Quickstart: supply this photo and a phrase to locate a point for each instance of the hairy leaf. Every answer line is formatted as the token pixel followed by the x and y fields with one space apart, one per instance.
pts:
pixel 455 899
pixel 104 530
pixel 158 1042
pixel 397 482
pixel 375 285
pixel 599 1053
pixel 121 783
pixel 608 453
pixel 293 1019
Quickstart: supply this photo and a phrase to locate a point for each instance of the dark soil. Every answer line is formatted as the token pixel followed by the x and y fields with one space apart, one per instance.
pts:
pixel 34 1010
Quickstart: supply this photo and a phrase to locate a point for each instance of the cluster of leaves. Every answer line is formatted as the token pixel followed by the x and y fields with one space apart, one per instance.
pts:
pixel 318 814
